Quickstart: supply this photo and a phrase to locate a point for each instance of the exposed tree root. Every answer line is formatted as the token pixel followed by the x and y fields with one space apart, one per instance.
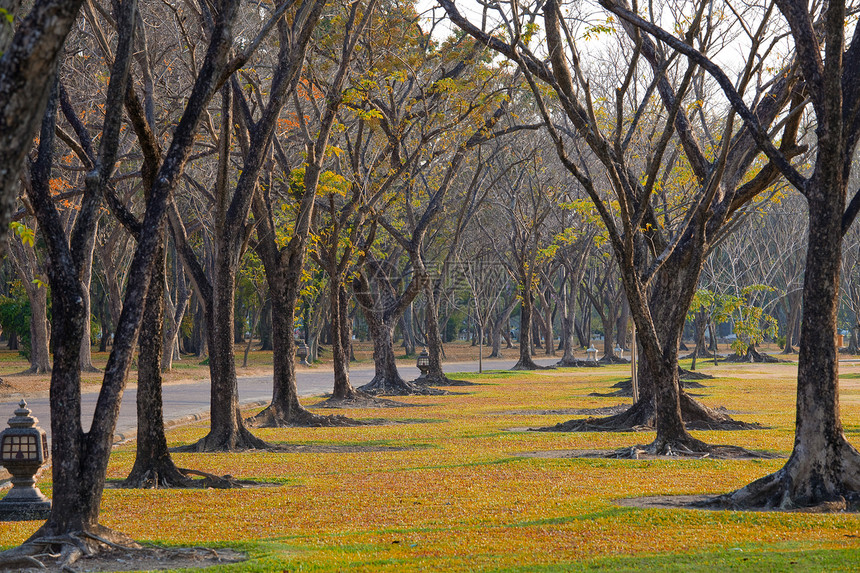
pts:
pixel 752 356
pixel 101 552
pixel 810 481
pixel 214 481
pixel 180 478
pixel 625 388
pixel 34 370
pixel 638 417
pixel 298 418
pixel 161 474
pixel 383 386
pixel 577 363
pixel 530 365
pixel 606 359
pixel 62 551
pixel 697 416
pixel 692 375
pixel 443 381
pixel 703 353
pixel 641 416
pixel 235 440
pixel 695 449
pixel 361 400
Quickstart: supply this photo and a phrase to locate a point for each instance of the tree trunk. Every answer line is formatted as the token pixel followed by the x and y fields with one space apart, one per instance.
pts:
pixel 86 279
pixel 80 460
pixel 609 333
pixel 382 310
pixel 386 379
pixel 583 326
pixel 285 408
pixel 794 307
pixel 406 323
pixel 171 338
pixel 25 261
pixel 824 469
pixel 549 340
pixel 200 332
pixel 40 359
pixel 525 361
pixel 568 317
pixel 499 325
pixel 153 466
pixel 27 72
pixel 227 431
pixel 621 325
pixel 435 375
pixel 266 326
pixel 104 322
pixel 343 390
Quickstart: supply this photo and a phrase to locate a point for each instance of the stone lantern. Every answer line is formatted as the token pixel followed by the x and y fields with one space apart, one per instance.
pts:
pixel 592 353
pixel 302 352
pixel 423 364
pixel 23 450
pixel 619 351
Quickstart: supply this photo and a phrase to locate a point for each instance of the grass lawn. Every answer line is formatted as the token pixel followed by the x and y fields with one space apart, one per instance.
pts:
pixel 447 489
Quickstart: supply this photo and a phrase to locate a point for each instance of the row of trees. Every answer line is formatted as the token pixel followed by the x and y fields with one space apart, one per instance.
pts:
pixel 347 154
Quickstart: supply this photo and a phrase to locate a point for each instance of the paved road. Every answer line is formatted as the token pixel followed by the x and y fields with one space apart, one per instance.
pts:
pixel 191 400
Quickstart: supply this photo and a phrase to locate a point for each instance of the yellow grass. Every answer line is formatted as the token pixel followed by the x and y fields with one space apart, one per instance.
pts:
pixel 462 498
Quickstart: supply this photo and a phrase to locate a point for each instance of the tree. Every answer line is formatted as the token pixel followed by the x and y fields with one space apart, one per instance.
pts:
pixel 526 197
pixel 428 121
pixel 824 468
pixel 34 283
pixel 659 249
pixel 284 257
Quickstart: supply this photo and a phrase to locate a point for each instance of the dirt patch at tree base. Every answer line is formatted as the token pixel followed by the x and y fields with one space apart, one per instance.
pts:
pixel 577 363
pixel 708 503
pixel 638 453
pixel 605 411
pixel 625 389
pixel 362 402
pixel 142 559
pixel 447 382
pixel 335 449
pixel 205 481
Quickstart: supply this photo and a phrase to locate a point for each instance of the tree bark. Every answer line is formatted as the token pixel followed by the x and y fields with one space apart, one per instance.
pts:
pixel 382 312
pixel 171 337
pixel 343 390
pixel 86 280
pixel 824 468
pixel 525 361
pixel 24 259
pixel 435 375
pixel 498 331
pixel 153 466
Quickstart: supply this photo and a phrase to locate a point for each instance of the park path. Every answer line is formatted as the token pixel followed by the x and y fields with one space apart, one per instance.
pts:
pixel 190 401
